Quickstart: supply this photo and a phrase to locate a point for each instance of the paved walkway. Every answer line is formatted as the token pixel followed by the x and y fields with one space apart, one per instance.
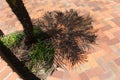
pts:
pixel 103 62
pixel 6 73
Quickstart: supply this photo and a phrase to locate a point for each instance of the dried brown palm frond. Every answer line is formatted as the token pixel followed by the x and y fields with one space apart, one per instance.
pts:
pixel 64 28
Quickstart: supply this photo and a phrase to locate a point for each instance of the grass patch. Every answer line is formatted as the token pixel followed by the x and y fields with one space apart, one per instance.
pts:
pixel 40 51
pixel 40 55
pixel 12 39
pixel 43 53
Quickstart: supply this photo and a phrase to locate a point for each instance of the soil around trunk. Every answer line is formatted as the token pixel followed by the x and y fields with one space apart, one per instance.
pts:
pixel 21 51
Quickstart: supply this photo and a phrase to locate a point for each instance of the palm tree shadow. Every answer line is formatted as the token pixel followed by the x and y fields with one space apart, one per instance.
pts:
pixel 64 28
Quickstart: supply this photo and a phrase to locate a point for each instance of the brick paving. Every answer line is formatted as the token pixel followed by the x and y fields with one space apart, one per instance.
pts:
pixel 6 73
pixel 104 60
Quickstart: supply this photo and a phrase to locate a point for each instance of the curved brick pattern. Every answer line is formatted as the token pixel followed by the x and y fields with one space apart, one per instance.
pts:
pixel 103 62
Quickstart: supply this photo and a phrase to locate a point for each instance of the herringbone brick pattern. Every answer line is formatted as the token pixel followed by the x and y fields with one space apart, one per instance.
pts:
pixel 104 60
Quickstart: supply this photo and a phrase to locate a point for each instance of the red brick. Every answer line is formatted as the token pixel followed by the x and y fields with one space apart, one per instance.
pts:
pixel 109 56
pixel 53 78
pixel 117 61
pixel 118 78
pixel 74 76
pixel 83 76
pixel 2 64
pixel 14 76
pixel 94 72
pixel 116 20
pixel 57 74
pixel 106 75
pixel 113 41
pixel 5 73
pixel 66 76
pixel 106 27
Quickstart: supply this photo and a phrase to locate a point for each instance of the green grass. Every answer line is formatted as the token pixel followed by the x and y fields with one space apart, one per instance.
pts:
pixel 42 51
pixel 12 39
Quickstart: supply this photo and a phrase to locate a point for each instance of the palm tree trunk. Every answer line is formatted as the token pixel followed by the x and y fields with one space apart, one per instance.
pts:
pixel 20 11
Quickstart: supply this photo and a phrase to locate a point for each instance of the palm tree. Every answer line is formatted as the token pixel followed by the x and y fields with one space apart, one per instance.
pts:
pixel 20 11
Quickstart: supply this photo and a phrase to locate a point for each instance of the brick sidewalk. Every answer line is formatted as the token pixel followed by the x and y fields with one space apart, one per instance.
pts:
pixel 104 61
pixel 6 73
